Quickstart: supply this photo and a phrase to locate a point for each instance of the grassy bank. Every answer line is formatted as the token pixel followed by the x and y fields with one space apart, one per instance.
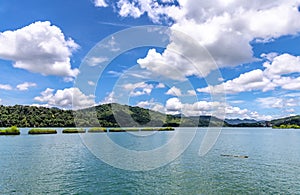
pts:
pixel 15 131
pixel 10 131
pixel 286 126
pixel 97 130
pixel 42 131
pixel 73 131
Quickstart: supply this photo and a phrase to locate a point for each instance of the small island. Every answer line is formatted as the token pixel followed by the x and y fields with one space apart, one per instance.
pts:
pixel 73 130
pixel 97 130
pixel 286 126
pixel 42 131
pixel 10 131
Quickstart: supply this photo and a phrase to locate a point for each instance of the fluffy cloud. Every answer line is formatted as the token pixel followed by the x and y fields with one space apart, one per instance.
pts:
pixel 172 65
pixel 100 3
pixel 175 106
pixel 110 98
pixel 253 80
pixel 5 87
pixel 155 11
pixel 281 65
pixel 224 28
pixel 208 108
pixel 94 61
pixel 138 89
pixel 276 74
pixel 40 48
pixel 91 83
pixel 66 98
pixel 191 92
pixel 160 85
pixel 288 83
pixel 276 102
pixel 25 86
pixel 174 91
pixel 284 105
pixel 156 106
pixel 128 9
pixel 141 88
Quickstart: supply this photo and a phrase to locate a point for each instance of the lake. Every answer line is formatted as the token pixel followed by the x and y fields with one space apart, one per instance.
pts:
pixel 62 164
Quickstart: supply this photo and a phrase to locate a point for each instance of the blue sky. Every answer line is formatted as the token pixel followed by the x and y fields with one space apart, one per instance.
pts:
pixel 238 58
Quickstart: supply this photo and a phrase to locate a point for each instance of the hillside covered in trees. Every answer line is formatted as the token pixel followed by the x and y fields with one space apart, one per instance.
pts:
pixel 292 122
pixel 114 115
pixel 106 115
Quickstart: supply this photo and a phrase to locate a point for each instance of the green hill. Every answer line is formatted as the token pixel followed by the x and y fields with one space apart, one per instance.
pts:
pixel 116 115
pixel 107 115
pixel 287 122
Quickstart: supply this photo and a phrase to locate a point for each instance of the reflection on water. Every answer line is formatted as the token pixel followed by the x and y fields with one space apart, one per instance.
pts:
pixel 61 164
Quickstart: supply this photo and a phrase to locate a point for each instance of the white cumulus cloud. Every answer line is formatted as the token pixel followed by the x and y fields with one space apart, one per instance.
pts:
pixel 211 108
pixel 91 83
pixel 142 88
pixel 138 89
pixel 94 61
pixel 249 81
pixel 277 73
pixel 100 3
pixel 110 98
pixel 281 65
pixel 173 106
pixel 40 48
pixel 25 86
pixel 152 105
pixel 174 91
pixel 5 87
pixel 66 98
pixel 278 102
pixel 225 28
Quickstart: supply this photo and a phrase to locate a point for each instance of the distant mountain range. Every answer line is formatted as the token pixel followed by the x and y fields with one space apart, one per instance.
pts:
pixel 115 115
pixel 239 121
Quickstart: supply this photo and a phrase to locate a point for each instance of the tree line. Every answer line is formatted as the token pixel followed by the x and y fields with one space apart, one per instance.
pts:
pixel 113 115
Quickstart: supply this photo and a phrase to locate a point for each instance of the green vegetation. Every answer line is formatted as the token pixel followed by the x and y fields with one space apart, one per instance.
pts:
pixel 292 122
pixel 73 131
pixel 120 129
pixel 115 115
pixel 42 131
pixel 166 129
pixel 97 130
pixel 158 129
pixel 10 131
pixel 286 126
pixel 31 116
pixel 257 124
pixel 107 115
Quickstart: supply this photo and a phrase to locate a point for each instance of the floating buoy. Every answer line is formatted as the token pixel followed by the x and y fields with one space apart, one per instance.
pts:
pixel 235 156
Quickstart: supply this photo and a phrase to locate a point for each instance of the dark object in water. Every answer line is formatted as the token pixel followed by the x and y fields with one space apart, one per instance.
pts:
pixel 235 156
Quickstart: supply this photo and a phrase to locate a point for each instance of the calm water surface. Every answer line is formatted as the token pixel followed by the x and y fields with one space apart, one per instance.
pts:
pixel 61 164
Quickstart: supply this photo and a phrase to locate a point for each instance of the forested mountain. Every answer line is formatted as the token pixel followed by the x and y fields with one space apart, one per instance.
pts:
pixel 107 115
pixel 292 120
pixel 31 116
pixel 113 115
pixel 240 121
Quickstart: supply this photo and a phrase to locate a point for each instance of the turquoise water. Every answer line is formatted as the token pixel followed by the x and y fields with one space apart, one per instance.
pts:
pixel 61 164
